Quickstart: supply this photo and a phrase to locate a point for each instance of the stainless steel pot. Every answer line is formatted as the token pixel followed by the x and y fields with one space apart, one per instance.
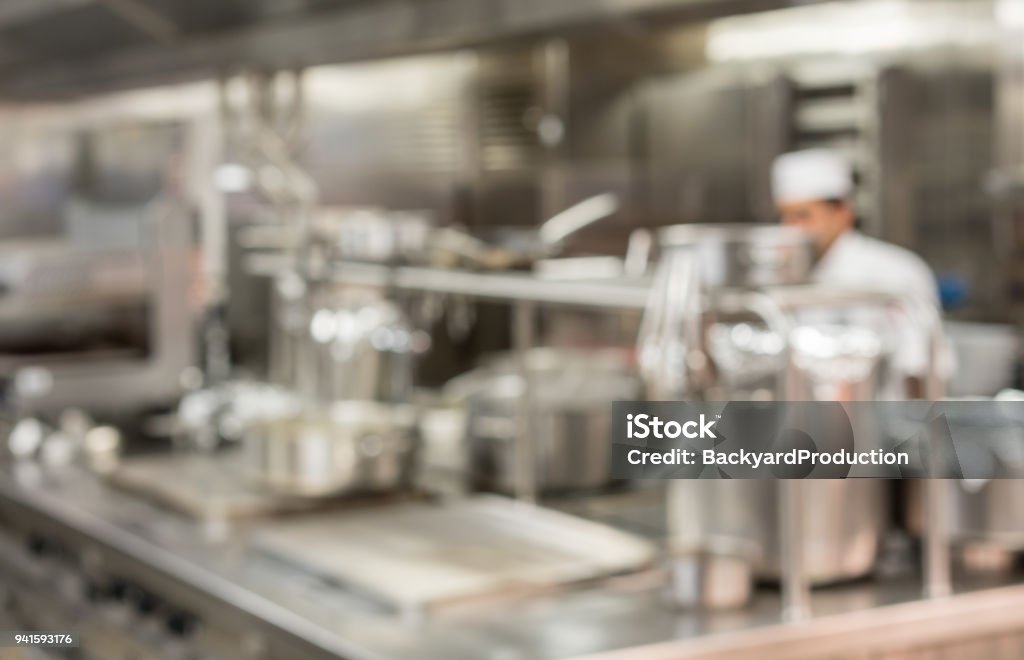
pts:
pixel 843 522
pixel 363 346
pixel 374 235
pixel 743 255
pixel 696 261
pixel 332 342
pixel 836 362
pixel 352 447
pixel 223 412
pixel 572 425
pixel 982 511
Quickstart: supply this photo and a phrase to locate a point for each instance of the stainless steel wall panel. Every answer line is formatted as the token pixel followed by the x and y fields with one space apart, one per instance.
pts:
pixel 389 133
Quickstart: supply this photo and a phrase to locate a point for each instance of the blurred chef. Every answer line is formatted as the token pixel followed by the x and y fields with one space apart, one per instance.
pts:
pixel 814 190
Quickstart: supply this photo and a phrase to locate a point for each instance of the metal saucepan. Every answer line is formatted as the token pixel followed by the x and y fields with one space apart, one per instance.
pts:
pixel 351 447
pixel 208 416
pixel 572 390
pixel 510 247
pixel 743 255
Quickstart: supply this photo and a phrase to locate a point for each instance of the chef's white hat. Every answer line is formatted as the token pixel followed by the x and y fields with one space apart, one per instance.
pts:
pixel 812 174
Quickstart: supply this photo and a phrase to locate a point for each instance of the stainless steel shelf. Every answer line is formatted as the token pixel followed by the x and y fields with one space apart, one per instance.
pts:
pixel 619 294
pixel 511 287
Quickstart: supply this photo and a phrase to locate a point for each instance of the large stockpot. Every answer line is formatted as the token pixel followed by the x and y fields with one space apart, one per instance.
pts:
pixel 363 346
pixel 333 343
pixel 572 395
pixel 743 255
pixel 843 522
pixel 843 519
pixel 696 261
pixel 350 447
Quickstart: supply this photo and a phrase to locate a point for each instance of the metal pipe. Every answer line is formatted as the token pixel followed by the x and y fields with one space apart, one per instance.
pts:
pixel 938 582
pixel 796 584
pixel 525 474
pixel 938 569
pixel 554 71
pixel 796 587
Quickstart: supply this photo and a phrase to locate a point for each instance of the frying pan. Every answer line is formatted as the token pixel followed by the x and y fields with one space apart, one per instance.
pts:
pixel 512 247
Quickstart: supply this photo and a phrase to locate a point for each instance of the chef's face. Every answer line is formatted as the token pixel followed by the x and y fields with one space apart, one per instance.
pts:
pixel 824 220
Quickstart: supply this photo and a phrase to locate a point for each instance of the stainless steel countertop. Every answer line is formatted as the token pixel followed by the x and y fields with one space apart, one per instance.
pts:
pixel 221 564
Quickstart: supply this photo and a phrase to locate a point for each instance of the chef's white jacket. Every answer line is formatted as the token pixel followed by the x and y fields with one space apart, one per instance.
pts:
pixel 859 262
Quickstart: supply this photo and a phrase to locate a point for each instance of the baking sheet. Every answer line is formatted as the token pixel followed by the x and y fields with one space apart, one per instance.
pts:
pixel 417 557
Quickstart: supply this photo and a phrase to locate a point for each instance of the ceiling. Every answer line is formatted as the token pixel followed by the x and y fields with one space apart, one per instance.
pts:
pixel 34 32
pixel 52 48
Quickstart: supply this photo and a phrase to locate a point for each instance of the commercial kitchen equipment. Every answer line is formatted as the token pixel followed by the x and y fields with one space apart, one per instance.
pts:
pixel 509 247
pixel 986 354
pixel 229 588
pixel 571 416
pixel 138 578
pixel 133 576
pixel 104 208
pixel 422 557
pixel 743 255
pixel 981 512
pixel 351 447
pixel 840 524
pixel 334 341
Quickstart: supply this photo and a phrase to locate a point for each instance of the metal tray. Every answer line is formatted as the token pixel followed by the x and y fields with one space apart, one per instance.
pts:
pixel 417 557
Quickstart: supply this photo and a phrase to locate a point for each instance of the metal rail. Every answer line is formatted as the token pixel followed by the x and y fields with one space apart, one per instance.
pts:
pixel 623 294
pixel 507 287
